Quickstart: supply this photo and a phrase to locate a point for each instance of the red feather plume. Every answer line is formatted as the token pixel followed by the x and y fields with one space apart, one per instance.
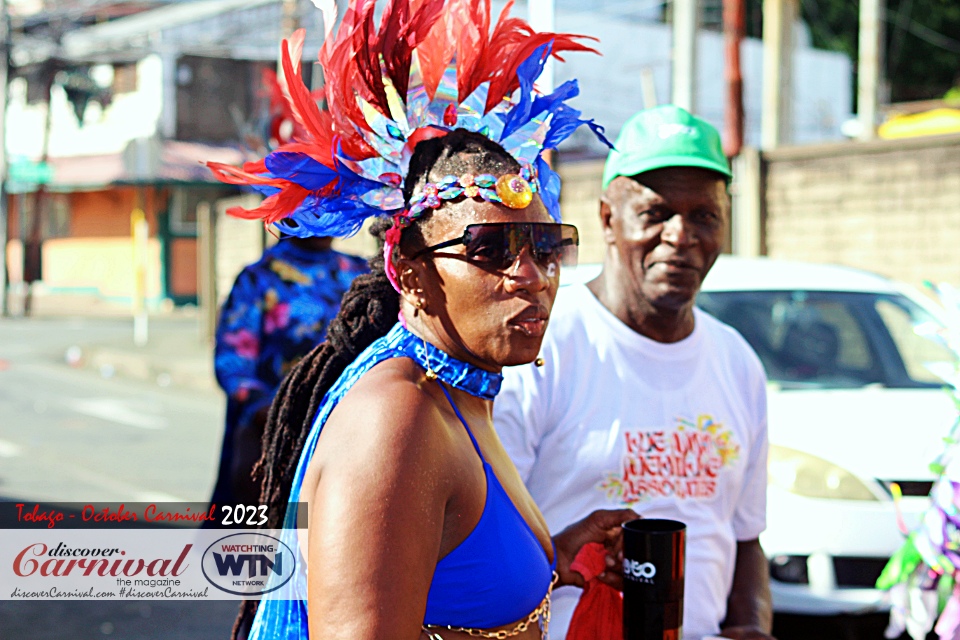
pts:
pixel 354 61
pixel 274 208
pixel 439 31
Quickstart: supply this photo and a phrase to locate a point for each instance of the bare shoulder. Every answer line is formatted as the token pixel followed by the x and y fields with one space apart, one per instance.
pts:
pixel 388 421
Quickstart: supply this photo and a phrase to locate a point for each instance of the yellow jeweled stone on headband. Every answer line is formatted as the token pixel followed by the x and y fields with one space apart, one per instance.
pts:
pixel 514 191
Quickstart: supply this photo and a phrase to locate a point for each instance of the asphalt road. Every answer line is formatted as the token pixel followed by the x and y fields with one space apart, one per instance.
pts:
pixel 70 435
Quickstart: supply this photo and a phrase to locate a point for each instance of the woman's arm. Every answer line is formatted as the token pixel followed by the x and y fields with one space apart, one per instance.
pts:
pixel 376 514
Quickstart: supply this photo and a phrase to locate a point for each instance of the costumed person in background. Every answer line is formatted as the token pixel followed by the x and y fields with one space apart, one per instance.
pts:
pixel 923 577
pixel 667 412
pixel 277 312
pixel 419 526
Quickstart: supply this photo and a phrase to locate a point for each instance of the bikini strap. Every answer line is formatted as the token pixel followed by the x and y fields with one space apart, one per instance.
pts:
pixel 465 425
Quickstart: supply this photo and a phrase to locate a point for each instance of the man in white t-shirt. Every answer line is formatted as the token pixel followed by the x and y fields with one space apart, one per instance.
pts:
pixel 643 400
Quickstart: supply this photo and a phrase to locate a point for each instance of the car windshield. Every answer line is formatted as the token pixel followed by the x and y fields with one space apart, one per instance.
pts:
pixel 826 339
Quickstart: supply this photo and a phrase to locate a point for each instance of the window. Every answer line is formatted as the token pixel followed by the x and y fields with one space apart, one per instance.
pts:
pixel 803 338
pixel 58 216
pixel 183 206
pixel 920 339
pixel 214 96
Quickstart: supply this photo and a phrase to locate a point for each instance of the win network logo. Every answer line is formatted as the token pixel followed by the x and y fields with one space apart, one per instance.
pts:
pixel 248 564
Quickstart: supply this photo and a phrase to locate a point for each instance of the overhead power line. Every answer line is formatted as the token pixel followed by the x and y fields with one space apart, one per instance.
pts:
pixel 923 32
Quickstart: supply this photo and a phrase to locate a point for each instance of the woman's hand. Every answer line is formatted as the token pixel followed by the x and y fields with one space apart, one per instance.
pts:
pixel 601 526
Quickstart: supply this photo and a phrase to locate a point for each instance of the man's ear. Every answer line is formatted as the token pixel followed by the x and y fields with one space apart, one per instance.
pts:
pixel 606 219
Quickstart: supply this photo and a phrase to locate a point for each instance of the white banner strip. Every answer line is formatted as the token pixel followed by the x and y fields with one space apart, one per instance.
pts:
pixel 149 564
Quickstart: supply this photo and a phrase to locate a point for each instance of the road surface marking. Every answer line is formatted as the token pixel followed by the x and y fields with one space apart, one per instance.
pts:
pixel 116 411
pixel 121 489
pixel 9 450
pixel 158 496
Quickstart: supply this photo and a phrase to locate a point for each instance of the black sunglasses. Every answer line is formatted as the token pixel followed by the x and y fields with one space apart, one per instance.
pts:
pixel 497 245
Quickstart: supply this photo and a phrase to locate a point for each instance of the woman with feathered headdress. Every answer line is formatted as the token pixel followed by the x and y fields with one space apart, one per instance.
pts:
pixel 418 523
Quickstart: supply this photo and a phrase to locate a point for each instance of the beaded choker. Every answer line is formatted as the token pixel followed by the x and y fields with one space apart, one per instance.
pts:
pixel 459 375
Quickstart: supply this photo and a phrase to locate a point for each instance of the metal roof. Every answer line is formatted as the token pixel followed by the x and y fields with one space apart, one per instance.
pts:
pixel 167 162
pixel 239 29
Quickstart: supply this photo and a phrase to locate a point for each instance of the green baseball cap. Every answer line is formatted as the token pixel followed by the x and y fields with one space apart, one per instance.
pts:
pixel 665 136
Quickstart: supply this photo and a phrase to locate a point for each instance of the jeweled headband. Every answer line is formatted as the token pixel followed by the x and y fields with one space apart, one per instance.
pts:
pixel 431 68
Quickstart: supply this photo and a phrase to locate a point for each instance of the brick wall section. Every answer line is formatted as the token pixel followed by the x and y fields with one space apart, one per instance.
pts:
pixel 580 205
pixel 891 206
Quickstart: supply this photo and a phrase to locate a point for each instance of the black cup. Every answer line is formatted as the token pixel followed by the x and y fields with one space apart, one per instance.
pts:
pixel 654 553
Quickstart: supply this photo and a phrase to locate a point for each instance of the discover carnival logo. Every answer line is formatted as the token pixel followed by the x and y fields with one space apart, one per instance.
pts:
pixel 248 564
pixel 639 571
pixel 63 561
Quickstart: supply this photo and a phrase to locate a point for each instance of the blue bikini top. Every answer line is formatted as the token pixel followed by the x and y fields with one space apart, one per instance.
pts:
pixel 496 576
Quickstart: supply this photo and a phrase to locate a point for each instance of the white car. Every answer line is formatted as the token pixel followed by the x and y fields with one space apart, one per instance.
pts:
pixel 856 403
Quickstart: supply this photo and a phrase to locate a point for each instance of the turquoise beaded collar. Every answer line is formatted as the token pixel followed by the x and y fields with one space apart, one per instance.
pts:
pixel 459 375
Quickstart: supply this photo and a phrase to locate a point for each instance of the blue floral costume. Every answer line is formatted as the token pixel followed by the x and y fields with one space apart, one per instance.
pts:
pixel 278 310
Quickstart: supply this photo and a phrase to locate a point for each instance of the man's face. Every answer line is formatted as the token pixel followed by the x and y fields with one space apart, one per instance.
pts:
pixel 667 227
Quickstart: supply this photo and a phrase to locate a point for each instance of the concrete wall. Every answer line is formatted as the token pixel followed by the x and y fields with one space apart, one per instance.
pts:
pixel 580 205
pixel 102 267
pixel 106 213
pixel 892 207
pixel 96 258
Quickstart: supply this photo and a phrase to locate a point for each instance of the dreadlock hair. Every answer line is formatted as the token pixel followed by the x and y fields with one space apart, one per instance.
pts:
pixel 368 311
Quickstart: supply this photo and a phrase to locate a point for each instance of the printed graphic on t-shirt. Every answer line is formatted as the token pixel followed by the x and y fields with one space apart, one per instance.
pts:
pixel 683 461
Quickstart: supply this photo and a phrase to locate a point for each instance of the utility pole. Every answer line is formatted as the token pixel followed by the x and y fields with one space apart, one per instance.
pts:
pixel 734 25
pixel 207 259
pixel 686 19
pixel 868 67
pixel 289 18
pixel 776 124
pixel 140 239
pixel 4 213
pixel 543 18
pixel 289 22
pixel 648 88
pixel 33 241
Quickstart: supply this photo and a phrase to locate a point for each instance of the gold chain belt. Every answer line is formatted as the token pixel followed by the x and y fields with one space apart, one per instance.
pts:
pixel 540 615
